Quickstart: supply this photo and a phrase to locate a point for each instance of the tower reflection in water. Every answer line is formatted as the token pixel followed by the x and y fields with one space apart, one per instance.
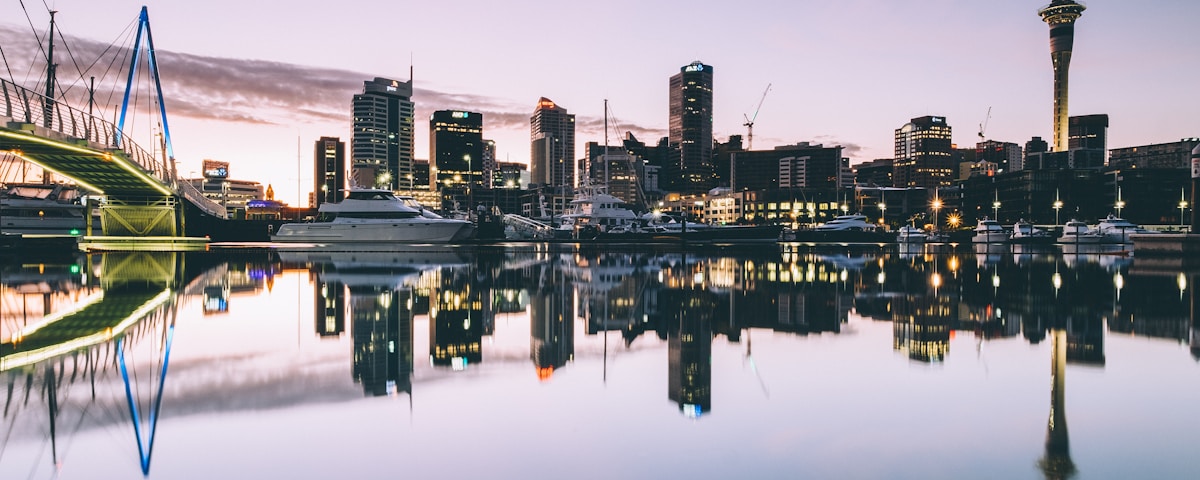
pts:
pixel 551 322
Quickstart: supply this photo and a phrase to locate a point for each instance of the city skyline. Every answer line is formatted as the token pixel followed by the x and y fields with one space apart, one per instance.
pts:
pixel 261 100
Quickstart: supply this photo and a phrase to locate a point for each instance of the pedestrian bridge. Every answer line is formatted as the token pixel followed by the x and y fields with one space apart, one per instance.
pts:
pixel 142 196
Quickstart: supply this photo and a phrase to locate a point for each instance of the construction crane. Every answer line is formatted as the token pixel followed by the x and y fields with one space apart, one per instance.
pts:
pixel 983 126
pixel 750 120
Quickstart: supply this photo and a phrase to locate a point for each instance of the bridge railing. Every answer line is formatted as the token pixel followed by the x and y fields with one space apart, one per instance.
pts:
pixel 25 105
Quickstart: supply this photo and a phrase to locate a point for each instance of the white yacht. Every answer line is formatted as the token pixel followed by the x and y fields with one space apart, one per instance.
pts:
pixel 989 231
pixel 1119 230
pixel 593 207
pixel 1025 233
pixel 373 216
pixel 911 234
pixel 41 210
pixel 843 223
pixel 1077 232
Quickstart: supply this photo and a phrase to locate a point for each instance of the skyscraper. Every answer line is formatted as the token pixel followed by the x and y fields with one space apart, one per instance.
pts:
pixel 329 177
pixel 923 154
pixel 1061 16
pixel 691 109
pixel 381 145
pixel 552 144
pixel 455 149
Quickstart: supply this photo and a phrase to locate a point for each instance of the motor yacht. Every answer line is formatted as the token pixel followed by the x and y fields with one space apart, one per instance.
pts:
pixel 594 209
pixel 374 216
pixel 989 231
pixel 911 234
pixel 1076 232
pixel 1118 230
pixel 1025 233
pixel 843 223
pixel 42 210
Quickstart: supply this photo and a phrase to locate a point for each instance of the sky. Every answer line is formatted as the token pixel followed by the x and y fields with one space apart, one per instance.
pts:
pixel 256 83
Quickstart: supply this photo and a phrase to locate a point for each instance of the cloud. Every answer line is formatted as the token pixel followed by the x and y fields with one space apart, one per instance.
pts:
pixel 259 92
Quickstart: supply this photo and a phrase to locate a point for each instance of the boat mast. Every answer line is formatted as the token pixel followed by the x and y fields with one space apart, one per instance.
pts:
pixel 48 108
pixel 606 143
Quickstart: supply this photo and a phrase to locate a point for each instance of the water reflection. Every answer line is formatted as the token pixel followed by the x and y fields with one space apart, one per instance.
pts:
pixel 102 326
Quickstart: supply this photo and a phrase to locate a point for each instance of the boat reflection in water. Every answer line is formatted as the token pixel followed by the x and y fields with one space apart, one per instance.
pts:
pixel 695 314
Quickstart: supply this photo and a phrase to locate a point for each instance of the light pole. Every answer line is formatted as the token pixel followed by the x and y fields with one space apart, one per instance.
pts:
pixel 1183 204
pixel 882 212
pixel 937 205
pixel 996 210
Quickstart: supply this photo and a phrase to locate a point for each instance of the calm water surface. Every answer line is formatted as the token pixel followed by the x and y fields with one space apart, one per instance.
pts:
pixel 558 361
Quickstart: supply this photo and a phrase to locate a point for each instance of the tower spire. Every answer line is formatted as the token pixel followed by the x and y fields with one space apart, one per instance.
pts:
pixel 1060 15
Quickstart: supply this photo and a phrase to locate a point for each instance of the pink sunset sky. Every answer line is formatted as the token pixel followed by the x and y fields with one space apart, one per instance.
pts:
pixel 244 80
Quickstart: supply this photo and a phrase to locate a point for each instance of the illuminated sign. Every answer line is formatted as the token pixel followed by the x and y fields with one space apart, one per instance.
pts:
pixel 459 114
pixel 215 169
pixel 695 67
pixel 391 88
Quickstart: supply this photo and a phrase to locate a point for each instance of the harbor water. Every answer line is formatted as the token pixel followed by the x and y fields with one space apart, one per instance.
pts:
pixel 600 361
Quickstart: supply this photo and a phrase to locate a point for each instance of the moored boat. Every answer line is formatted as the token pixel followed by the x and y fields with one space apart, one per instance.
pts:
pixel 989 231
pixel 1119 230
pixel 1025 233
pixel 373 216
pixel 911 234
pixel 1076 232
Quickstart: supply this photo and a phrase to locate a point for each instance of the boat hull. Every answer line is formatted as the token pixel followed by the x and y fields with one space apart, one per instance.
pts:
pixel 990 237
pixel 393 232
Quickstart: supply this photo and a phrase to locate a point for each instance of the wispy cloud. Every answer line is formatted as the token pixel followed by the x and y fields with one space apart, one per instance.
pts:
pixel 260 92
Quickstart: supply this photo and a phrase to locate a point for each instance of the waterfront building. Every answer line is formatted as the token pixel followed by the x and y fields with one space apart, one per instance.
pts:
pixel 1061 15
pixel 1006 156
pixel 723 159
pixel 803 165
pixel 690 130
pixel 552 145
pixel 232 194
pixel 510 175
pixel 1089 132
pixel 329 171
pixel 490 164
pixel 875 173
pixel 924 154
pixel 1159 155
pixel 456 149
pixel 381 144
pixel 1034 145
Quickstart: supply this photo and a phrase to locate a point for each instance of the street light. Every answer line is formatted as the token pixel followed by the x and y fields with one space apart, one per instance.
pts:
pixel 937 205
pixel 882 212
pixel 1057 206
pixel 1183 204
pixel 996 210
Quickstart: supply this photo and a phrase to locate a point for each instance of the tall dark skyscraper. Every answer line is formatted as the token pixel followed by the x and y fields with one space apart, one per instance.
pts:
pixel 329 177
pixel 381 145
pixel 455 149
pixel 1089 132
pixel 551 145
pixel 1061 16
pixel 924 157
pixel 691 130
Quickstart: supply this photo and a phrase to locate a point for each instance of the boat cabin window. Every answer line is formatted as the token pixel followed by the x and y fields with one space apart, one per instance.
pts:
pixel 370 196
pixel 379 215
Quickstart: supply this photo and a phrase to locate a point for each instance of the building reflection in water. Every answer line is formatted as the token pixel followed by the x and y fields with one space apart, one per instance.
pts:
pixel 689 337
pixel 382 326
pixel 329 307
pixel 552 324
pixel 456 323
pixel 1056 461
